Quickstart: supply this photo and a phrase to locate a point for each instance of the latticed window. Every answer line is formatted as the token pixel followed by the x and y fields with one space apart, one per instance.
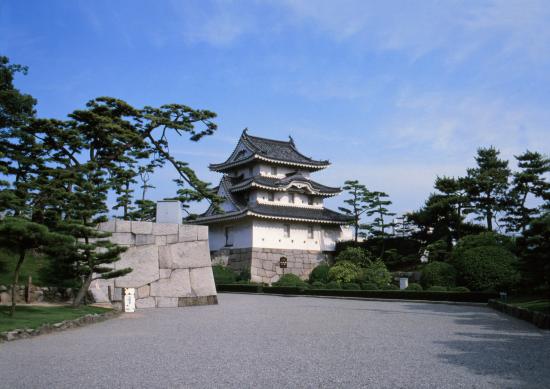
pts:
pixel 310 232
pixel 274 170
pixel 310 200
pixel 271 196
pixel 291 197
pixel 229 236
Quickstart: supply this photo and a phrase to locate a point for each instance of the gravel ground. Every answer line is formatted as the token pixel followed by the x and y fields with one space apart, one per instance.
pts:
pixel 270 341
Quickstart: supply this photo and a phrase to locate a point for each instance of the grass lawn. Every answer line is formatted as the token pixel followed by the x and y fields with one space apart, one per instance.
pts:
pixel 31 267
pixel 34 316
pixel 532 303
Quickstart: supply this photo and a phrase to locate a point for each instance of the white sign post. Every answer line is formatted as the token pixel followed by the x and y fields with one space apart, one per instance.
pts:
pixel 403 283
pixel 129 300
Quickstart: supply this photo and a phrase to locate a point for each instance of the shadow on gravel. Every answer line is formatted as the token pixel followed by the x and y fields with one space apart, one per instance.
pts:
pixel 516 353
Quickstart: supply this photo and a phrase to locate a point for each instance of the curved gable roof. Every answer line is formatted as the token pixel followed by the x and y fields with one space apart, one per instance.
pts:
pixel 270 150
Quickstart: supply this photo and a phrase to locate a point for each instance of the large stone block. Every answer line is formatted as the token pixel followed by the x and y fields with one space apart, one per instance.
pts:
pixel 202 281
pixel 165 228
pixel 178 285
pixel 184 255
pixel 144 262
pixel 126 238
pixel 167 302
pixel 100 290
pixel 143 292
pixel 172 239
pixel 187 233
pixel 165 273
pixel 143 239
pixel 108 226
pixel 148 302
pixel 123 226
pixel 160 240
pixel 142 227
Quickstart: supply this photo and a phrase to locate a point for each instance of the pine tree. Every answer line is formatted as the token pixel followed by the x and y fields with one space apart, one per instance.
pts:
pixel 529 181
pixel 377 206
pixel 487 185
pixel 357 205
pixel 19 236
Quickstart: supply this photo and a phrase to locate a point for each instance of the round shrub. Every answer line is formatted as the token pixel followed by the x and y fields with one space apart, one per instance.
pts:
pixel 390 287
pixel 320 273
pixel 438 273
pixel 459 289
pixel 369 286
pixel 486 268
pixel 317 285
pixel 437 288
pixel 354 254
pixel 223 275
pixel 291 280
pixel 376 273
pixel 344 271
pixel 414 287
pixel 351 286
pixel 333 285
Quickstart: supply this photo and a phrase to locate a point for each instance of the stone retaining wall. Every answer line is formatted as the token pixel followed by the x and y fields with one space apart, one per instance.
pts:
pixel 171 265
pixel 264 263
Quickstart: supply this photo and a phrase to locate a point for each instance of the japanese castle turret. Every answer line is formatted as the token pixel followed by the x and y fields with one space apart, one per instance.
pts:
pixel 272 209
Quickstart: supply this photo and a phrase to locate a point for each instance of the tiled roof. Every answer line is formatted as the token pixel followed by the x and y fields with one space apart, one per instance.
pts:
pixel 322 215
pixel 282 183
pixel 271 150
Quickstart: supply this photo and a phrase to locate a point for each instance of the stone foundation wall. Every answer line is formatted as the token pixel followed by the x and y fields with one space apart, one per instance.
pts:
pixel 264 263
pixel 171 265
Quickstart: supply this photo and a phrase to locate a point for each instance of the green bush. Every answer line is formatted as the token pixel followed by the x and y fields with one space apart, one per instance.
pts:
pixel 438 273
pixel 244 274
pixel 369 286
pixel 485 267
pixel 223 275
pixel 376 273
pixel 343 271
pixel 291 280
pixel 414 287
pixel 333 285
pixel 351 286
pixel 390 287
pixel 356 255
pixel 320 273
pixel 462 289
pixel 437 288
pixel 317 285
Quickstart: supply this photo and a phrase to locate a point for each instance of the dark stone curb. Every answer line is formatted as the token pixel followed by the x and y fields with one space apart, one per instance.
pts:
pixel 541 320
pixel 90 318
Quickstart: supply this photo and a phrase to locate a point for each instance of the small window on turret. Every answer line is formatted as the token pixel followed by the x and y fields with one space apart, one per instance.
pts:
pixel 310 200
pixel 310 232
pixel 271 196
pixel 291 198
pixel 250 171
pixel 273 170
pixel 286 228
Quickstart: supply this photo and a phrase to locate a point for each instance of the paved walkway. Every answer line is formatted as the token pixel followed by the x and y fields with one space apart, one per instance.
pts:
pixel 269 341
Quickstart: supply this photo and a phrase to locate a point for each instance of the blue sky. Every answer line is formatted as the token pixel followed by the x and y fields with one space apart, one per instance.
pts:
pixel 393 93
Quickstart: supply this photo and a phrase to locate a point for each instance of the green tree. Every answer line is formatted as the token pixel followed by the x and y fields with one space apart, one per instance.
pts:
pixel 487 185
pixel 20 236
pixel 356 255
pixel 357 206
pixel 377 203
pixel 530 180
pixel 344 271
pixel 535 253
pixel 376 274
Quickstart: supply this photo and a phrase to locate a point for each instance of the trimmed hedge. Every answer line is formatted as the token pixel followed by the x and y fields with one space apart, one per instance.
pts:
pixel 540 319
pixel 475 297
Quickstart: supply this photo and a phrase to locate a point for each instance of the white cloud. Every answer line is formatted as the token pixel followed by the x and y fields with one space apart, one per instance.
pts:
pixel 454 124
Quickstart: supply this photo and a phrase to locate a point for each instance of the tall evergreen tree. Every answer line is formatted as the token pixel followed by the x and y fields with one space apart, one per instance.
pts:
pixel 529 181
pixel 376 205
pixel 487 185
pixel 356 204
